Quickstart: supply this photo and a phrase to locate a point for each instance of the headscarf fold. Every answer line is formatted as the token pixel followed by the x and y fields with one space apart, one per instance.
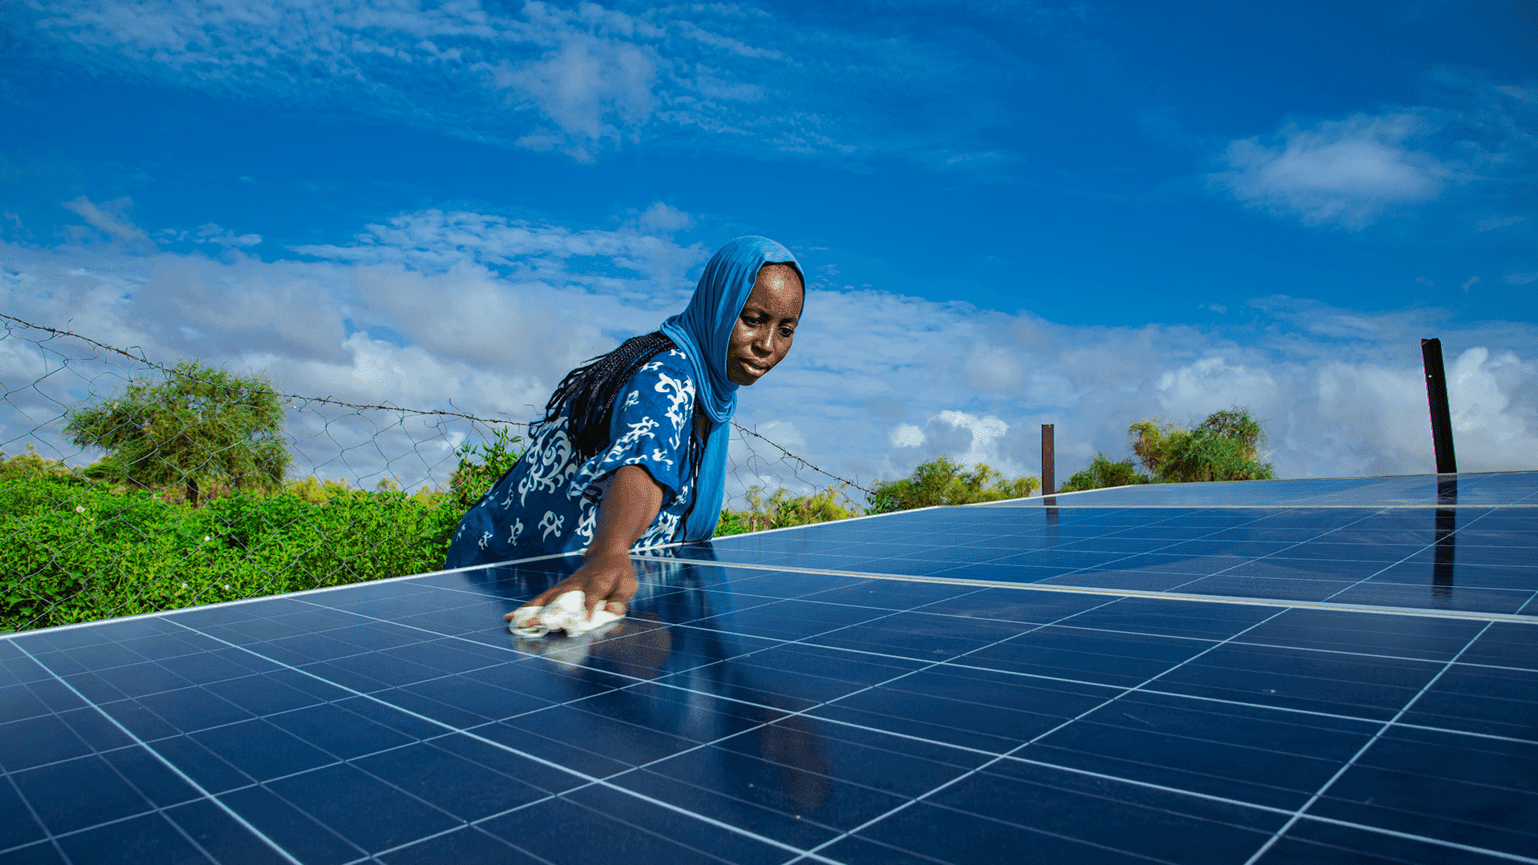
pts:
pixel 703 331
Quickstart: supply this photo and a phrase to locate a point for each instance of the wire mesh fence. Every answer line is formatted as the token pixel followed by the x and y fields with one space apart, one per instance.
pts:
pixel 129 486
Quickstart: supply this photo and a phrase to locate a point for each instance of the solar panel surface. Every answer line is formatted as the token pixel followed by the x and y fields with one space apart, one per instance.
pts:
pixel 1341 670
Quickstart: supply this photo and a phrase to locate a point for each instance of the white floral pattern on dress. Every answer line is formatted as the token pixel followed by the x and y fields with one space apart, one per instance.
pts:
pixel 651 427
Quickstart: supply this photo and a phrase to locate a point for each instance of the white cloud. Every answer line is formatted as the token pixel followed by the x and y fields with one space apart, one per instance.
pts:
pixel 431 309
pixel 1494 222
pixel 1471 147
pixel 661 220
pixel 111 219
pixel 907 435
pixel 1521 278
pixel 581 80
pixel 1339 172
pixel 1490 427
pixel 985 431
pixel 1208 384
pixel 212 233
pixel 588 87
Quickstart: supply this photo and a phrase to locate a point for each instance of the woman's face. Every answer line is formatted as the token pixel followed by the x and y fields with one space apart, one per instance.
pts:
pixel 766 326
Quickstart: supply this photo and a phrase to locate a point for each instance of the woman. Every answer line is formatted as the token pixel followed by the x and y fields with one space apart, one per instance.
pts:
pixel 632 449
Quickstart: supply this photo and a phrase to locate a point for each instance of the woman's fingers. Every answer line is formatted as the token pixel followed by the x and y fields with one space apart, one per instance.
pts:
pixel 611 579
pixel 609 582
pixel 603 587
pixel 544 598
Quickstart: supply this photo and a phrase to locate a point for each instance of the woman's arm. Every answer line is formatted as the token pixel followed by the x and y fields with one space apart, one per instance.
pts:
pixel 607 575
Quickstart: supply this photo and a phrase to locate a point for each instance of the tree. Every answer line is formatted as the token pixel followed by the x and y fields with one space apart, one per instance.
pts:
pixel 197 426
pixel 1104 473
pixel 1224 447
pixel 945 482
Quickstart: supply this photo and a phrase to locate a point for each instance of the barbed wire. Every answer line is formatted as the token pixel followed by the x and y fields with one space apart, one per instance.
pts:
pixel 144 359
pixel 803 462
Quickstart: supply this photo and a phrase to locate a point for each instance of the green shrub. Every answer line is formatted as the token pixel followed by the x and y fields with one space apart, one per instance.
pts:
pixel 945 482
pixel 1103 473
pixel 74 552
pixel 1223 447
pixel 782 510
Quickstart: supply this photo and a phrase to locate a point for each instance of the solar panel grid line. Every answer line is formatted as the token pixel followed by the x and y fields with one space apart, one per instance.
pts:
pixel 1236 703
pixel 32 812
pixel 898 677
pixel 1277 554
pixel 247 649
pixel 547 764
pixel 1087 611
pixel 1363 750
pixel 1216 599
pixel 1423 839
pixel 1430 546
pixel 174 769
pixel 813 854
pixel 1526 595
pixel 1021 747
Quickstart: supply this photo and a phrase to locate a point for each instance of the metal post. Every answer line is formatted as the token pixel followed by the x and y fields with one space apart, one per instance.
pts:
pixel 1436 396
pixel 1048 461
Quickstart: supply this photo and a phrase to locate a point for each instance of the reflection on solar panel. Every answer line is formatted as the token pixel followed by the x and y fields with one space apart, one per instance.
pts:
pixel 1271 672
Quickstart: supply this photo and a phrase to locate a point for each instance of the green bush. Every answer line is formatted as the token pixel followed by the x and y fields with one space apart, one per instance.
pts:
pixel 1223 447
pixel 1103 473
pixel 946 482
pixel 782 509
pixel 71 551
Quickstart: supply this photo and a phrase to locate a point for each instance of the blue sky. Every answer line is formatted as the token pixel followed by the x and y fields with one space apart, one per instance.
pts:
pixel 1013 213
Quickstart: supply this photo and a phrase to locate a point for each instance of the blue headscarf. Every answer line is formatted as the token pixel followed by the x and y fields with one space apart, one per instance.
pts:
pixel 703 331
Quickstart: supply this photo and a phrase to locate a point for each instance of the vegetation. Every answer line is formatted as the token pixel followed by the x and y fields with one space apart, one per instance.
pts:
pixel 946 482
pixel 1224 447
pixel 1103 473
pixel 783 509
pixel 75 549
pixel 480 467
pixel 198 427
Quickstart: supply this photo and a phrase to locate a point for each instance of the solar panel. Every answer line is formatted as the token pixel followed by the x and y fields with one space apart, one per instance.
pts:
pixel 1339 670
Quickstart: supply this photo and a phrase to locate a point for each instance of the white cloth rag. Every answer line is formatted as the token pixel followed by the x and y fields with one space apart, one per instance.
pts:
pixel 568 612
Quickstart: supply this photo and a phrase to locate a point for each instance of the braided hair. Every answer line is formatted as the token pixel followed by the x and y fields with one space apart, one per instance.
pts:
pixel 587 393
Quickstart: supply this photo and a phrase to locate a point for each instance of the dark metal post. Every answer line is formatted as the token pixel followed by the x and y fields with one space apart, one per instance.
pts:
pixel 1436 395
pixel 1048 461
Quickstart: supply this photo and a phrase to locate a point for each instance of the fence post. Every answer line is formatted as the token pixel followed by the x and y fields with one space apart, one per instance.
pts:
pixel 1048 461
pixel 1436 396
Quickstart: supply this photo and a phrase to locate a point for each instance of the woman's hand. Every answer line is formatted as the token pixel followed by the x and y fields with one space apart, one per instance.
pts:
pixel 608 576
pixel 603 579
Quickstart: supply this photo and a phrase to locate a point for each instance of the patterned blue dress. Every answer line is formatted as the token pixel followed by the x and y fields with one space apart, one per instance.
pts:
pixel 548 503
